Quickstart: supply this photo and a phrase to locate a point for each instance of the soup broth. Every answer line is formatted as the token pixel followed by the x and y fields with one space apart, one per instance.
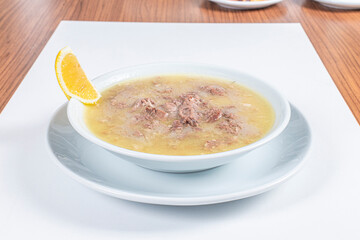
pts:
pixel 180 115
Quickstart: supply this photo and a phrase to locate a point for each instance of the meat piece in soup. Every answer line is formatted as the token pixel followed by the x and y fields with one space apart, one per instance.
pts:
pixel 180 115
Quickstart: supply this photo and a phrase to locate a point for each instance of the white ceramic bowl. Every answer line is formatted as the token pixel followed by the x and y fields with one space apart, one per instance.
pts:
pixel 167 163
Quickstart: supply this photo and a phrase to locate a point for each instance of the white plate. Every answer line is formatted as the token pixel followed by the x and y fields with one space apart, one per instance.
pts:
pixel 255 173
pixel 341 4
pixel 245 5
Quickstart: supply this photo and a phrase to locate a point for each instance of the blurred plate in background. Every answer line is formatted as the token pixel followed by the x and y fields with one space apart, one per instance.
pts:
pixel 243 5
pixel 340 4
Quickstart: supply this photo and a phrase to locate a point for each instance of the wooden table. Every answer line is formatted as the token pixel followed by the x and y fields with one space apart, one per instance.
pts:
pixel 26 26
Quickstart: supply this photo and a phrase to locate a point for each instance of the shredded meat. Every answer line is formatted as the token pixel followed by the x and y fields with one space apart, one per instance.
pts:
pixel 191 98
pixel 230 126
pixel 151 111
pixel 214 90
pixel 161 114
pixel 228 115
pixel 148 125
pixel 156 113
pixel 176 125
pixel 229 112
pixel 188 115
pixel 214 115
pixel 177 102
pixel 145 102
pixel 170 107
pixel 187 112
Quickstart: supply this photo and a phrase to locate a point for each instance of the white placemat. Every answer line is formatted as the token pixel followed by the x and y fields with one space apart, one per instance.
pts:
pixel 38 201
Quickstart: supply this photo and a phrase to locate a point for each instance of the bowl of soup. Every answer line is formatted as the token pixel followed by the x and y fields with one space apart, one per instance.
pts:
pixel 180 117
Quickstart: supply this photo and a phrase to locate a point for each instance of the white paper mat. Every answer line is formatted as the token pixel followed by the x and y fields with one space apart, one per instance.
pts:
pixel 38 201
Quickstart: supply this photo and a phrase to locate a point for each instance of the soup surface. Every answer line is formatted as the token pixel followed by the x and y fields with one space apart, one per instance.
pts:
pixel 180 115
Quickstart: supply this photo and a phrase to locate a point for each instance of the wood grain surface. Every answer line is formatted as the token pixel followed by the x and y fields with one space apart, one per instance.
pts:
pixel 26 26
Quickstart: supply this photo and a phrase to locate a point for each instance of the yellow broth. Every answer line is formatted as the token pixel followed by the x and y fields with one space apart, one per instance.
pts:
pixel 115 118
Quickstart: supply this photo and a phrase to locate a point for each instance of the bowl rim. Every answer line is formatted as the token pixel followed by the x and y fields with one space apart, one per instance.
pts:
pixel 179 158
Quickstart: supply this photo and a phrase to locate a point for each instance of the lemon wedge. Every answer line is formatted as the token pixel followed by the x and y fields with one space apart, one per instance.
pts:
pixel 72 78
